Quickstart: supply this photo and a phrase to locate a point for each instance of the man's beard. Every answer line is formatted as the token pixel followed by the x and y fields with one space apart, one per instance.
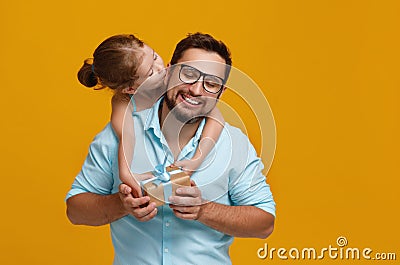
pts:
pixel 184 116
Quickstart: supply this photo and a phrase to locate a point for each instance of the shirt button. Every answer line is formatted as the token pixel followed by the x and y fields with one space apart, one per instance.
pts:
pixel 166 250
pixel 167 224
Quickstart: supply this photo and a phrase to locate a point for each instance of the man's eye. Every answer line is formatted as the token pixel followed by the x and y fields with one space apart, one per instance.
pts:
pixel 155 56
pixel 190 73
pixel 211 84
pixel 151 72
pixel 190 76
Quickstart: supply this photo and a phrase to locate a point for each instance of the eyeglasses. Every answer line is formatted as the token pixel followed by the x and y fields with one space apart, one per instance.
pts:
pixel 190 75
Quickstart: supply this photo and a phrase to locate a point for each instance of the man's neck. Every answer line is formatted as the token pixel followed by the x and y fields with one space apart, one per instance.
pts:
pixel 175 132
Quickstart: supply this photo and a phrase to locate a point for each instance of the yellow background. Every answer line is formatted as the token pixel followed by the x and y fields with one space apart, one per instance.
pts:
pixel 329 69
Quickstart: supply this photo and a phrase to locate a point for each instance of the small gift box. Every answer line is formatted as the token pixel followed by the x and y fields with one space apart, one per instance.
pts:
pixel 164 183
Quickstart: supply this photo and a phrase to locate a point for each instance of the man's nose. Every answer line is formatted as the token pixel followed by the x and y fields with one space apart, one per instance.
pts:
pixel 196 89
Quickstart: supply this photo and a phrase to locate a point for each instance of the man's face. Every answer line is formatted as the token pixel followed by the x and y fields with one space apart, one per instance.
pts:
pixel 190 102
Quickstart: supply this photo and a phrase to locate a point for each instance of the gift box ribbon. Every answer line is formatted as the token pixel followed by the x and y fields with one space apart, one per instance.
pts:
pixel 162 177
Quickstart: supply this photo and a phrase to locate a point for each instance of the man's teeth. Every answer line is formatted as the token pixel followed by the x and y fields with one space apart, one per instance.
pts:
pixel 191 101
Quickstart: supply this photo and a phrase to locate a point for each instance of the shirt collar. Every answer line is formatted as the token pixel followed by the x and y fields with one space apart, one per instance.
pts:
pixel 152 120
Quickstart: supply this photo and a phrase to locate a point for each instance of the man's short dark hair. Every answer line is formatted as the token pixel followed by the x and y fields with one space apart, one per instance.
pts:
pixel 206 42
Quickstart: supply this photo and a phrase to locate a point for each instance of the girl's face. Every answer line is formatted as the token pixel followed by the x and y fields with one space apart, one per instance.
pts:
pixel 151 71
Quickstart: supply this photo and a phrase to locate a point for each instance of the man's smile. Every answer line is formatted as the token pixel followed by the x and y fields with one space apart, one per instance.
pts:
pixel 189 99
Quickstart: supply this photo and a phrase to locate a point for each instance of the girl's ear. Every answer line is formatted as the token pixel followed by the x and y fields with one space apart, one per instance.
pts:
pixel 129 90
pixel 167 73
pixel 168 69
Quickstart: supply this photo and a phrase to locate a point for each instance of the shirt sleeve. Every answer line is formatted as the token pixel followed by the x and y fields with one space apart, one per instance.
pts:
pixel 247 184
pixel 96 175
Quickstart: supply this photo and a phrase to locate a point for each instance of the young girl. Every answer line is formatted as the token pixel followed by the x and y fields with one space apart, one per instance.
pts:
pixel 123 63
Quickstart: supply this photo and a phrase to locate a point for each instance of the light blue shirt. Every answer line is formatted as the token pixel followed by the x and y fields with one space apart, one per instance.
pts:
pixel 230 175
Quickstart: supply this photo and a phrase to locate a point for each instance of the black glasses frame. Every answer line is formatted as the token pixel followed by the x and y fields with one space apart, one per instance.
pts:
pixel 201 75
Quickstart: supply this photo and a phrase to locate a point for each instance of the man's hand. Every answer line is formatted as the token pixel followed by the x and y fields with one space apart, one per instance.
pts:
pixel 187 203
pixel 238 221
pixel 133 205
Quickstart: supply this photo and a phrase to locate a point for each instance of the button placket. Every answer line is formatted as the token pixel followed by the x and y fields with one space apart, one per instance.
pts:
pixel 166 231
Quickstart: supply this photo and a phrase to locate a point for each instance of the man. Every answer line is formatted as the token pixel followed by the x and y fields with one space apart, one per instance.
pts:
pixel 228 197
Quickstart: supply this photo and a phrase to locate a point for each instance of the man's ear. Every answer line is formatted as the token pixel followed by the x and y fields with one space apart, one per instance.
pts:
pixel 221 92
pixel 129 90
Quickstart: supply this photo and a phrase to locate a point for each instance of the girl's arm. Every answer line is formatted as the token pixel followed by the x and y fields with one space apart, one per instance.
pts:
pixel 123 126
pixel 211 132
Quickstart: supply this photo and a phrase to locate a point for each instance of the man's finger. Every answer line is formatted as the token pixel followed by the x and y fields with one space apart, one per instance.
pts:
pixel 185 216
pixel 188 191
pixel 188 201
pixel 137 202
pixel 125 189
pixel 141 212
pixel 185 209
pixel 149 216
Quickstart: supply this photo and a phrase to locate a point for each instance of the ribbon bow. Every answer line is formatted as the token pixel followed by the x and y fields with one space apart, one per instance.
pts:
pixel 161 176
pixel 160 172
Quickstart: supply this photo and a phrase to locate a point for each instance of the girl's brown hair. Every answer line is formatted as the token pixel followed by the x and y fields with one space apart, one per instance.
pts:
pixel 114 63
